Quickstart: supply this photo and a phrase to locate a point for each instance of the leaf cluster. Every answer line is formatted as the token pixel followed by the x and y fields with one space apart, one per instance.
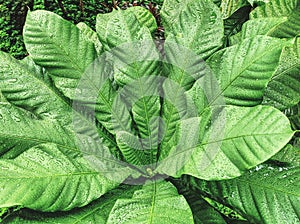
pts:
pixel 112 126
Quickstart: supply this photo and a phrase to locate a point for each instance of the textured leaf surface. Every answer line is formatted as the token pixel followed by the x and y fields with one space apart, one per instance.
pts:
pixel 291 27
pixel 144 17
pixel 122 26
pixel 95 212
pixel 294 115
pixel 289 9
pixel 18 84
pixel 132 149
pixel 266 194
pixel 45 179
pixel 90 35
pixel 283 91
pixel 195 25
pixel 136 66
pixel 154 203
pixel 289 155
pixel 59 46
pixel 259 26
pixel 38 106
pixel 275 8
pixel 232 141
pixel 244 70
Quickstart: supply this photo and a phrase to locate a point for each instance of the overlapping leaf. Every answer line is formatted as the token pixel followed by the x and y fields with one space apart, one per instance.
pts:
pixel 266 194
pixel 95 212
pixel 136 66
pixel 228 7
pixel 244 70
pixel 196 25
pixel 283 91
pixel 231 140
pixel 58 45
pixel 46 179
pixel 158 202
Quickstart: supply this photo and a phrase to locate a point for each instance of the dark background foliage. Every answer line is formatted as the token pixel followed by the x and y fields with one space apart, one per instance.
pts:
pixel 13 14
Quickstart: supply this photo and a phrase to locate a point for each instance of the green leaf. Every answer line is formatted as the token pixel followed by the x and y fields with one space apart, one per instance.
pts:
pixel 46 179
pixel 202 211
pixel 266 194
pixel 144 17
pixel 42 108
pixel 233 24
pixel 276 18
pixel 195 25
pixel 289 155
pixel 91 36
pixel 229 7
pixel 58 46
pixel 18 86
pixel 260 26
pixel 122 26
pixel 154 203
pixel 244 70
pixel 78 81
pixel 231 140
pixel 283 91
pixel 132 149
pixel 274 8
pixel 95 212
pixel 293 114
pixel 291 27
pixel 136 68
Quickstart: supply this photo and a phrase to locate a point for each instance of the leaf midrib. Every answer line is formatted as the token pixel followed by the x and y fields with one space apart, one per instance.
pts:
pixel 238 75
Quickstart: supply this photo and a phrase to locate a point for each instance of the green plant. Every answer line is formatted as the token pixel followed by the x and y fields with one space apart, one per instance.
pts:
pixel 102 127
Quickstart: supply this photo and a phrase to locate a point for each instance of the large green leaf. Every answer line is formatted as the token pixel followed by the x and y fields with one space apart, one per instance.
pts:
pixel 266 194
pixel 39 106
pixel 195 25
pixel 59 46
pixel 158 202
pixel 46 179
pixel 74 69
pixel 291 27
pixel 231 140
pixel 228 7
pixel 19 83
pixel 38 121
pixel 274 8
pixel 266 19
pixel 95 212
pixel 259 26
pixel 244 70
pixel 283 91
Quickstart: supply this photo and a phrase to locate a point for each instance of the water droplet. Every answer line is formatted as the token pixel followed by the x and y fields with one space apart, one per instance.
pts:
pixel 13 80
pixel 15 118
